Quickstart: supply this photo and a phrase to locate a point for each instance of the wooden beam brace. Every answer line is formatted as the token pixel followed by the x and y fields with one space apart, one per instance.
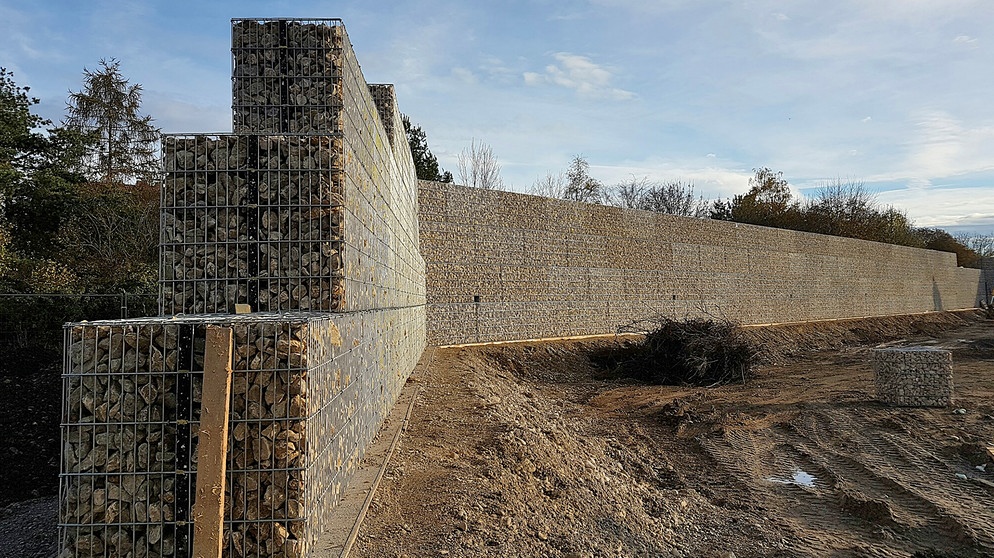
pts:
pixel 212 452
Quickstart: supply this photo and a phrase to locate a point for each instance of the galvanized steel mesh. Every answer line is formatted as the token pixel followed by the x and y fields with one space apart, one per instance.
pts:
pixel 251 219
pixel 302 410
pixel 308 215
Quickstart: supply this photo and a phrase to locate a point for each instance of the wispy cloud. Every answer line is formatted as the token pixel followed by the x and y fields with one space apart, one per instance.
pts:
pixel 581 74
pixel 942 146
pixel 944 206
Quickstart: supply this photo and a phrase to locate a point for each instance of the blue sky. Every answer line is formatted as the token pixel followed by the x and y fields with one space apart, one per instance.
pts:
pixel 896 93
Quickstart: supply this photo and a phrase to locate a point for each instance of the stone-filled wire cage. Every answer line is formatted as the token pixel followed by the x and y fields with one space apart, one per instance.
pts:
pixel 307 213
pixel 286 76
pixel 130 423
pixel 251 219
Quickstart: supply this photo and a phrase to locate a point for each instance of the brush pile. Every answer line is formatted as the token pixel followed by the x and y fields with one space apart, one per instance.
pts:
pixel 698 352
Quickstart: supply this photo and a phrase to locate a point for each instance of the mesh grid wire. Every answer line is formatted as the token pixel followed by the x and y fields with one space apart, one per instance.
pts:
pixel 302 411
pixel 286 76
pixel 251 220
pixel 383 265
pixel 266 217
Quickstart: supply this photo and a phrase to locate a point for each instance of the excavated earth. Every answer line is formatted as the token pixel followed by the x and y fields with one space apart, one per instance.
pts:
pixel 533 450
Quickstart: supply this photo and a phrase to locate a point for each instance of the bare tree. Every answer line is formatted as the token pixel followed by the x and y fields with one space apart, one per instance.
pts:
pixel 478 167
pixel 673 198
pixel 981 244
pixel 580 186
pixel 550 186
pixel 629 194
pixel 842 208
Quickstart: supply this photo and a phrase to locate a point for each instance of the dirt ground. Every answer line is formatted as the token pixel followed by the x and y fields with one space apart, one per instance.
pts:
pixel 531 450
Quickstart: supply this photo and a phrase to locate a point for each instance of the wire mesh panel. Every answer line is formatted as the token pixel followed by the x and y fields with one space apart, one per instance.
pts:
pixel 383 266
pixel 254 220
pixel 286 76
pixel 259 217
pixel 123 480
pixel 302 410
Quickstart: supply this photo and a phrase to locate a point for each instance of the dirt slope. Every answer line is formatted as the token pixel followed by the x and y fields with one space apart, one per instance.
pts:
pixel 530 450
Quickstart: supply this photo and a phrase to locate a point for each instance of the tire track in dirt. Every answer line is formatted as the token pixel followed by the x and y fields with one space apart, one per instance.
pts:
pixel 833 475
pixel 914 467
pixel 531 450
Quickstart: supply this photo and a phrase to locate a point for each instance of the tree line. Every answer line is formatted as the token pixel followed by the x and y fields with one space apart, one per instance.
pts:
pixel 839 208
pixel 78 199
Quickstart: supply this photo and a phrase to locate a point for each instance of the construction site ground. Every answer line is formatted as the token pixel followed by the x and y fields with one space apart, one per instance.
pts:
pixel 530 449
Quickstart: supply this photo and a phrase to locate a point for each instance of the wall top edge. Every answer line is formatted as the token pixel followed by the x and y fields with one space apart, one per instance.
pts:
pixel 579 206
pixel 212 319
pixel 254 317
pixel 196 135
pixel 332 20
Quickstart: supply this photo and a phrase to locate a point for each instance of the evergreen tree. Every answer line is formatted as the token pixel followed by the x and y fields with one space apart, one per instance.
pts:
pixel 108 107
pixel 57 232
pixel 425 163
pixel 37 190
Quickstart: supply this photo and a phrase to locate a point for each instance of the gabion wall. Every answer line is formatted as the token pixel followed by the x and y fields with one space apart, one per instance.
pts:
pixel 302 411
pixel 308 214
pixel 250 219
pixel 383 264
pixel 287 76
pixel 914 376
pixel 300 217
pixel 504 266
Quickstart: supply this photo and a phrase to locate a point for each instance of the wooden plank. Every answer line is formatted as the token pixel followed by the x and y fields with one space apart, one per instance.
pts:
pixel 212 454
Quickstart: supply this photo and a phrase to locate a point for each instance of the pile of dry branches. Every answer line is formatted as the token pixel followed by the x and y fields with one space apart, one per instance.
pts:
pixel 700 352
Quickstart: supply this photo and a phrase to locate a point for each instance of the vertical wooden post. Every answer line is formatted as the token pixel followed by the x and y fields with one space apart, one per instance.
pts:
pixel 212 453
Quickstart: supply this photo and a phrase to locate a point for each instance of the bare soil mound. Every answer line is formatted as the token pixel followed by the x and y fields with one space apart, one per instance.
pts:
pixel 532 450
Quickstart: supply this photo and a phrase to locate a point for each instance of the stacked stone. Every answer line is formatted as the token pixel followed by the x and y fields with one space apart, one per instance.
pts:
pixel 310 199
pixel 130 434
pixel 914 376
pixel 287 76
pixel 254 220
pixel 383 265
pixel 386 105
pixel 118 457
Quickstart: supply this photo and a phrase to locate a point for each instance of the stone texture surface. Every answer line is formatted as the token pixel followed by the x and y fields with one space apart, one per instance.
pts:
pixel 302 412
pixel 544 268
pixel 255 220
pixel 308 213
pixel 914 376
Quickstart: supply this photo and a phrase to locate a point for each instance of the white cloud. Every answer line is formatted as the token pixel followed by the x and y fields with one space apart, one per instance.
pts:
pixel 582 75
pixel 944 146
pixel 709 180
pixel 464 75
pixel 943 206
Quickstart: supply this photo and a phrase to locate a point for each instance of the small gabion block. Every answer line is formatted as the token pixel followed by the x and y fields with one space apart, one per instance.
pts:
pixel 914 376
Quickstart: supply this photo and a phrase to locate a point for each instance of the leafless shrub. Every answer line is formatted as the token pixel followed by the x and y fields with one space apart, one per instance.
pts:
pixel 478 167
